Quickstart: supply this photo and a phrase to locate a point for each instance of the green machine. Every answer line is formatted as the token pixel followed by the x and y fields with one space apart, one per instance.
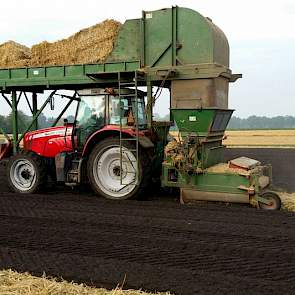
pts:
pixel 177 49
pixel 194 163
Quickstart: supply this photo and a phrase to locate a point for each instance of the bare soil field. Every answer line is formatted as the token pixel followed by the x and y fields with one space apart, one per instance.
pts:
pixel 263 138
pixel 155 244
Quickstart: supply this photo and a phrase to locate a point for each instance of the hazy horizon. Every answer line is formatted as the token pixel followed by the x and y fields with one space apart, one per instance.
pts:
pixel 261 36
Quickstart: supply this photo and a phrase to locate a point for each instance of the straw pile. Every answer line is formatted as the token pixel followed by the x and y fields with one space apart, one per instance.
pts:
pixel 91 45
pixel 13 283
pixel 288 201
pixel 13 54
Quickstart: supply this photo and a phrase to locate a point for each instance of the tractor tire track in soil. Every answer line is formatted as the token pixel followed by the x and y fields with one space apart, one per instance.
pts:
pixel 158 244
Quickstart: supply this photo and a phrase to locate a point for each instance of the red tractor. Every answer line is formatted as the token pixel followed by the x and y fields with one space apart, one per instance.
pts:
pixel 108 145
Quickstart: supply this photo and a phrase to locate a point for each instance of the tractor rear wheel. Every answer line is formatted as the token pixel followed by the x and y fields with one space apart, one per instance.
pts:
pixel 26 173
pixel 104 170
pixel 275 201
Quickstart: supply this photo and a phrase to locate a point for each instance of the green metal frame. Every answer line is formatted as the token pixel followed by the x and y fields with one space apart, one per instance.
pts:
pixel 163 49
pixel 61 77
pixel 229 183
pixel 206 181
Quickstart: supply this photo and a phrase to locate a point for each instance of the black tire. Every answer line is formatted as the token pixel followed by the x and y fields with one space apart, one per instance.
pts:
pixel 33 172
pixel 275 201
pixel 144 176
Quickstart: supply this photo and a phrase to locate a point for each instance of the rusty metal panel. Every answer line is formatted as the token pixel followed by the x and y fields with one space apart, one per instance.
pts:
pixel 201 93
pixel 244 163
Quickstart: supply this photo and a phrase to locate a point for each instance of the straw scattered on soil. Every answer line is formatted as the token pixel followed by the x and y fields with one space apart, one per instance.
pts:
pixel 90 45
pixel 13 283
pixel 288 201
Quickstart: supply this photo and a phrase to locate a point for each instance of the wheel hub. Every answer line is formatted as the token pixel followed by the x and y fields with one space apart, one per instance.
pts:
pixel 117 171
pixel 26 174
pixel 23 174
pixel 113 179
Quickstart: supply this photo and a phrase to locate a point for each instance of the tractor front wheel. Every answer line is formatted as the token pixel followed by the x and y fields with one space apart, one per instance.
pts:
pixel 112 181
pixel 26 173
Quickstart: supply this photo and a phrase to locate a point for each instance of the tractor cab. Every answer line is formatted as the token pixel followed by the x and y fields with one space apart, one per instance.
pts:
pixel 105 108
pixel 104 146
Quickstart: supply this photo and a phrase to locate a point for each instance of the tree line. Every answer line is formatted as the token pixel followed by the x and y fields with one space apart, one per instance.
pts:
pixel 262 122
pixel 24 121
pixel 252 122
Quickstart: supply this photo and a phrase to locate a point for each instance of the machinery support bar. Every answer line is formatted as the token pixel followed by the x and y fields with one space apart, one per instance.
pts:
pixel 142 40
pixel 149 102
pixel 64 110
pixel 36 117
pixel 7 100
pixel 29 105
pixel 174 35
pixel 19 97
pixel 14 121
pixel 74 97
pixel 34 109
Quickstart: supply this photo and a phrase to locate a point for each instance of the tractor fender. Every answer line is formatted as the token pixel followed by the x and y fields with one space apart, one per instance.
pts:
pixel 101 134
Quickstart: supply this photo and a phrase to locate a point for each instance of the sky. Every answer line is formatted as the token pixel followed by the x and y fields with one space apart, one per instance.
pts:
pixel 261 35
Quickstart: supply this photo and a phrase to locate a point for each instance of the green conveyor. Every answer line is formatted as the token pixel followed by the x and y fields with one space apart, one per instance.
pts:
pixel 176 41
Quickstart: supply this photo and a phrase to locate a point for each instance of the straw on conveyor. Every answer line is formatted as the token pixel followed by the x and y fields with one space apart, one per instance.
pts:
pixel 90 45
pixel 14 55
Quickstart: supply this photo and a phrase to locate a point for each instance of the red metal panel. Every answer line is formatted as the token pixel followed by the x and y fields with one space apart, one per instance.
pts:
pixel 49 142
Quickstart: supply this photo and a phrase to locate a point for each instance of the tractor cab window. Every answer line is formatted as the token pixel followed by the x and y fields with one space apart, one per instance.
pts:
pixel 91 111
pixel 116 110
pixel 127 110
pixel 90 115
pixel 141 111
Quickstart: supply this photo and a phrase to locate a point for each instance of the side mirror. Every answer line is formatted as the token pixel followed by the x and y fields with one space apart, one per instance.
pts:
pixel 66 121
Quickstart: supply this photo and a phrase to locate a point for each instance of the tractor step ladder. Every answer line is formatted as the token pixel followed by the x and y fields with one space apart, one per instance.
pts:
pixel 132 82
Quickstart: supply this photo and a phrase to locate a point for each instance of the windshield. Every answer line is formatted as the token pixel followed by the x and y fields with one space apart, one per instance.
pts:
pixel 91 111
pixel 128 111
pixel 90 116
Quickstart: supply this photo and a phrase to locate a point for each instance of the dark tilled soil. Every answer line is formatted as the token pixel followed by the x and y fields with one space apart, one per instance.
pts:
pixel 157 244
